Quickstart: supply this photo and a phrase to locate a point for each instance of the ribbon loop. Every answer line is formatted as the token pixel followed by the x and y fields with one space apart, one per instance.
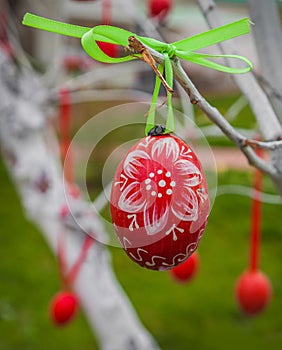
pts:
pixel 89 43
pixel 112 34
pixel 183 48
pixel 205 60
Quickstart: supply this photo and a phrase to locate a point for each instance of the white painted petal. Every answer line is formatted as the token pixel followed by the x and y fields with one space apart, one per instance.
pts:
pixel 131 199
pixel 155 222
pixel 192 176
pixel 185 205
pixel 165 148
pixel 132 163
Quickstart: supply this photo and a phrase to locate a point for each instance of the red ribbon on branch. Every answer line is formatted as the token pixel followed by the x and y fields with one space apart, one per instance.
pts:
pixel 255 238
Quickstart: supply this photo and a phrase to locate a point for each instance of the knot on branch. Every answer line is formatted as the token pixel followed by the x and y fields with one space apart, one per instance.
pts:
pixel 170 50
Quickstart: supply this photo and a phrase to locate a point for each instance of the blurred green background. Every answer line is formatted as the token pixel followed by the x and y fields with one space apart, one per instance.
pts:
pixel 199 315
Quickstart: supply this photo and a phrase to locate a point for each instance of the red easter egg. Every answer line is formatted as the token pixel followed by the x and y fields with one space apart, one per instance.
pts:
pixel 159 8
pixel 63 307
pixel 253 292
pixel 109 49
pixel 185 271
pixel 159 202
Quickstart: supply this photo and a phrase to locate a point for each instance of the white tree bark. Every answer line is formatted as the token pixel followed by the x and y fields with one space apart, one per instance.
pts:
pixel 30 149
pixel 267 34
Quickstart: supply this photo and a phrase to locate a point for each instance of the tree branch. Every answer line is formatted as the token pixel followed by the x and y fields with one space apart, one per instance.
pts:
pixel 269 145
pixel 216 117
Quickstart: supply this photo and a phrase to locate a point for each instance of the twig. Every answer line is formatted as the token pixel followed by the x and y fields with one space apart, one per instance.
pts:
pixel 269 145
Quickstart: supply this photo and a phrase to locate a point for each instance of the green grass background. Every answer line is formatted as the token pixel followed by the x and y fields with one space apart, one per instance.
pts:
pixel 199 315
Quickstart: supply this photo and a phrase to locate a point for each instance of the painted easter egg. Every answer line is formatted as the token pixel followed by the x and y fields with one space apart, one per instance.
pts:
pixel 159 202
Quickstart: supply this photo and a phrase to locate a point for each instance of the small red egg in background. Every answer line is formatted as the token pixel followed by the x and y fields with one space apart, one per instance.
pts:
pixel 159 202
pixel 186 271
pixel 253 292
pixel 75 63
pixel 63 307
pixel 159 8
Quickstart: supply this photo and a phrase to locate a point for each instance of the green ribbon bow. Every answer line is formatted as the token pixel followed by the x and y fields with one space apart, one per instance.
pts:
pixel 184 49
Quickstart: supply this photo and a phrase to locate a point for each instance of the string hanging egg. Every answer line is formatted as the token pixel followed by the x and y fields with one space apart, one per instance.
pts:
pixel 253 289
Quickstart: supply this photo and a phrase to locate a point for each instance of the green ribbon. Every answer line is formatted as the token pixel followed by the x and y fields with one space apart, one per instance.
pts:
pixel 184 49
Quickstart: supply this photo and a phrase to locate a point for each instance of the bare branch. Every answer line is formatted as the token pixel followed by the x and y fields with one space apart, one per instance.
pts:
pixel 215 116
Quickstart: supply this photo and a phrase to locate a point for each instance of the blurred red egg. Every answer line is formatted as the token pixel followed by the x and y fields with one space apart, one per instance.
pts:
pixel 253 292
pixel 159 202
pixel 185 271
pixel 75 63
pixel 159 8
pixel 63 307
